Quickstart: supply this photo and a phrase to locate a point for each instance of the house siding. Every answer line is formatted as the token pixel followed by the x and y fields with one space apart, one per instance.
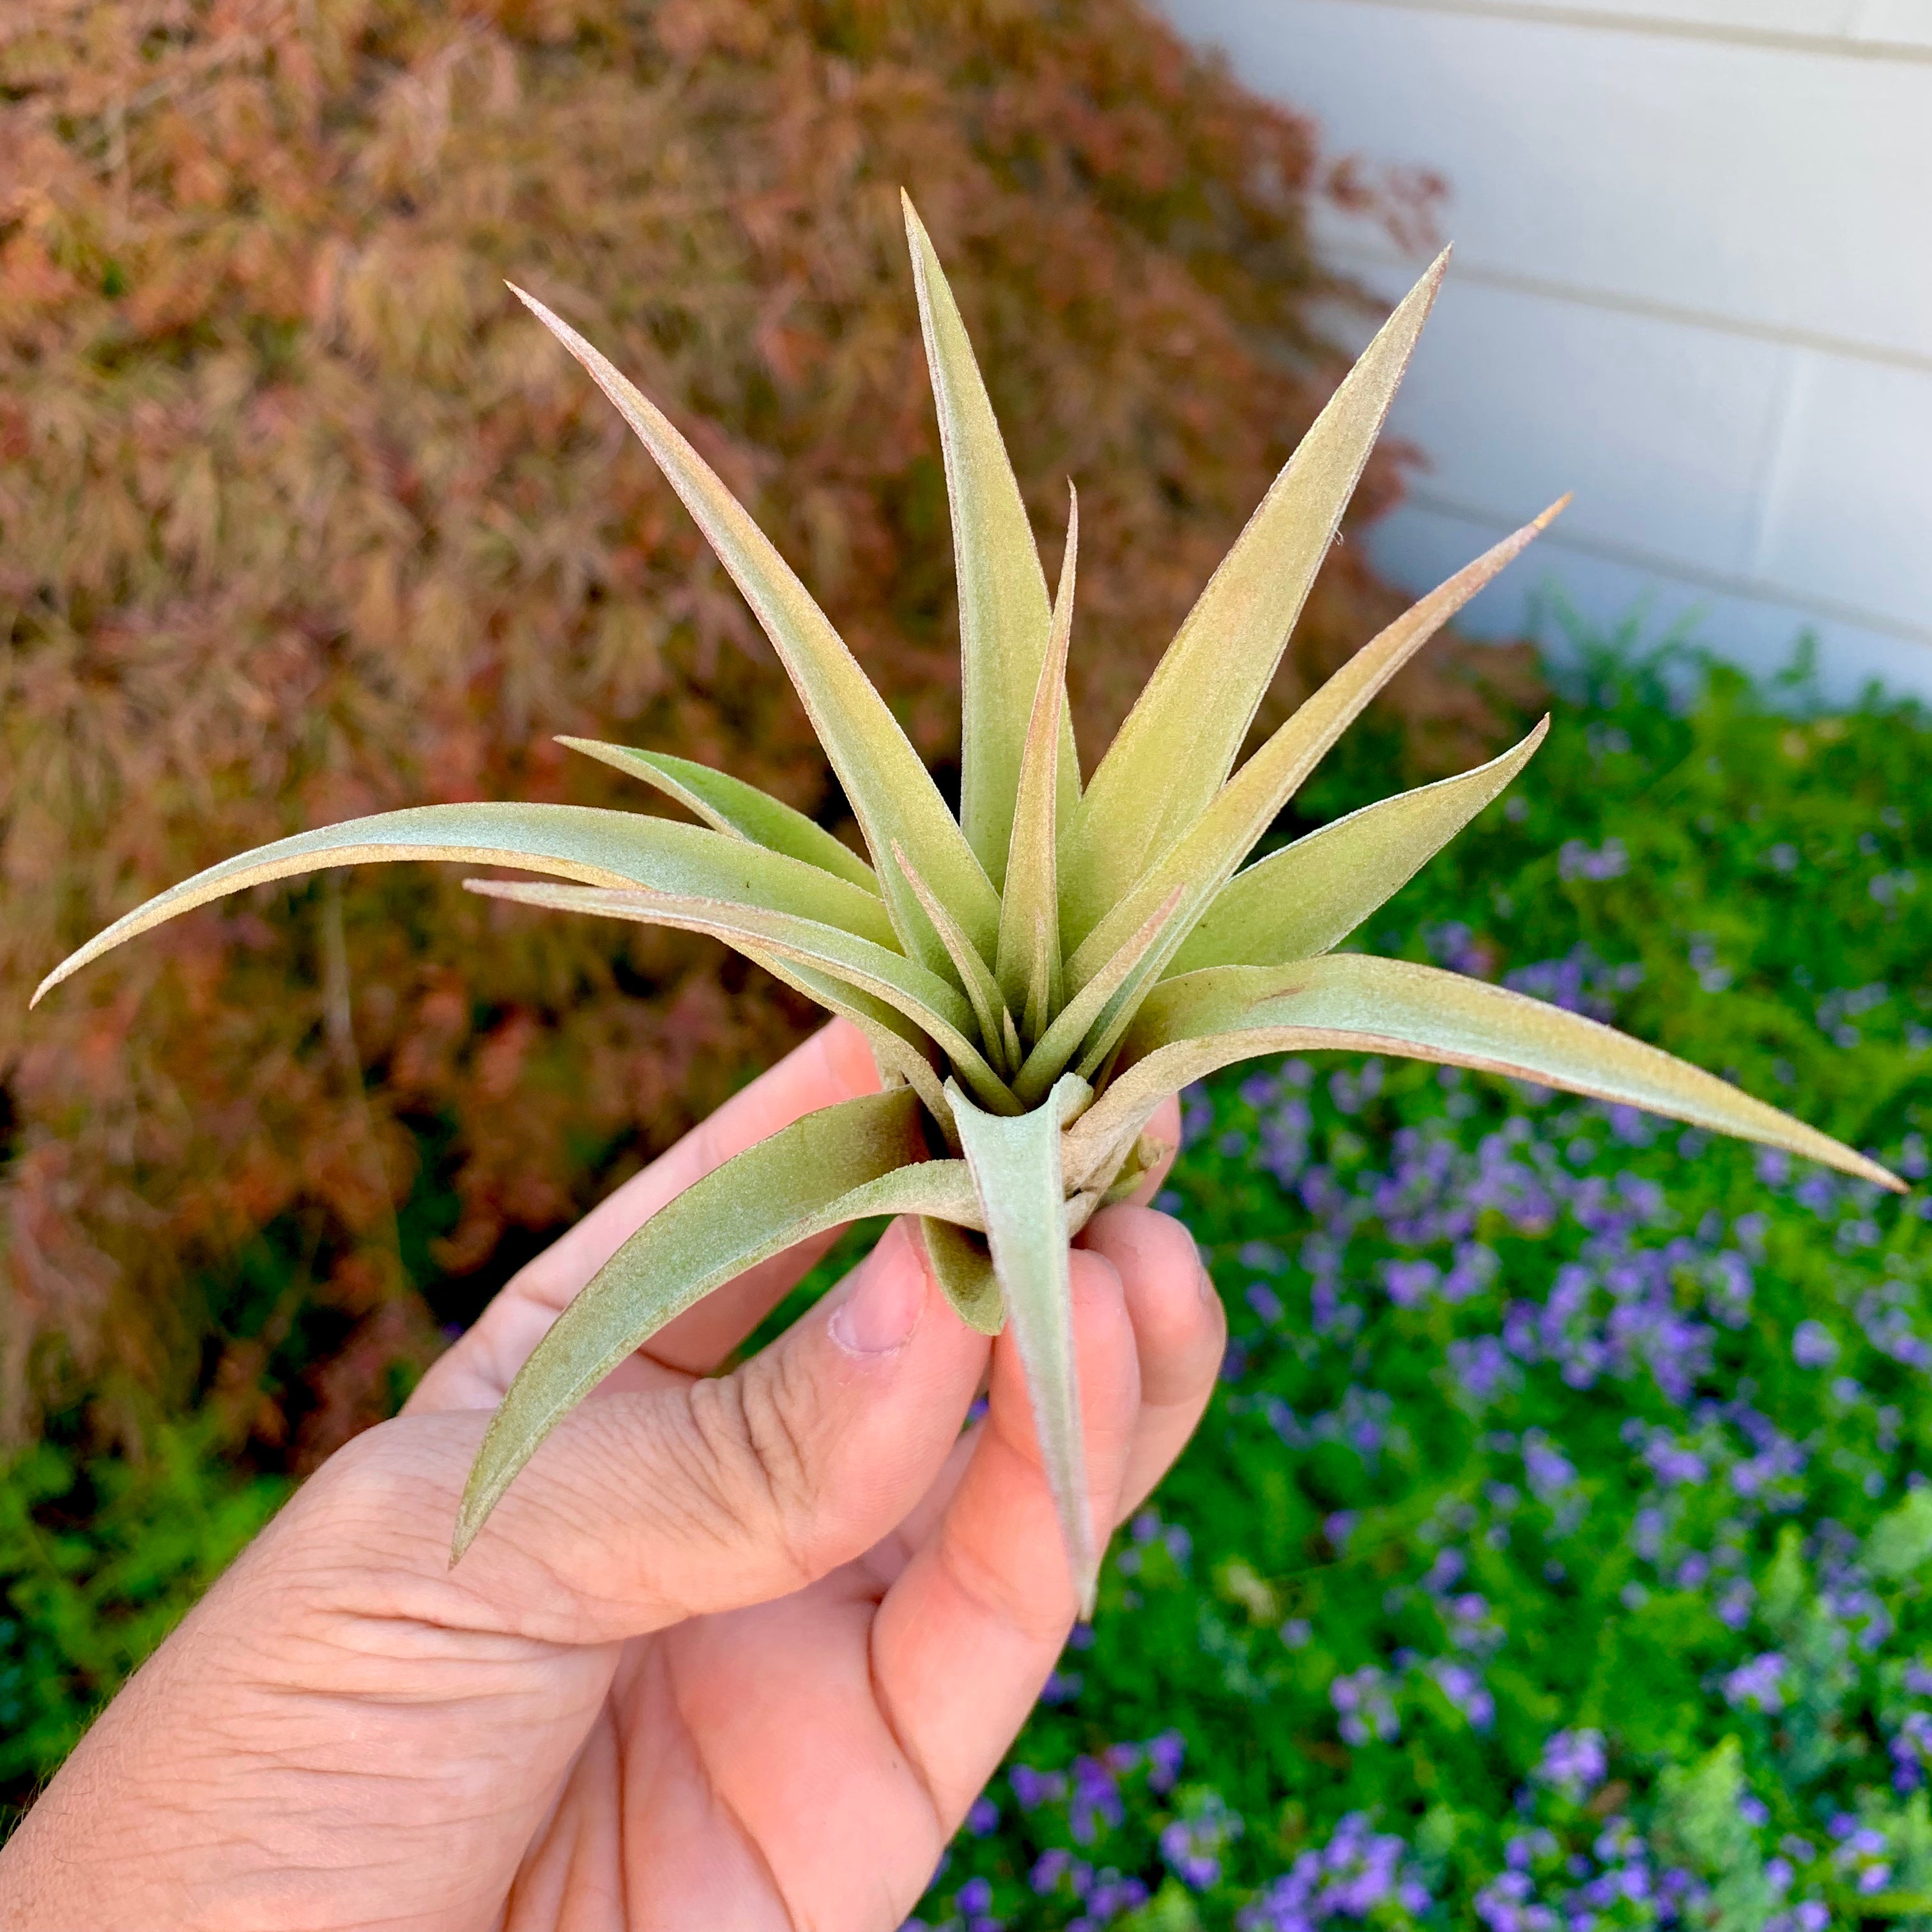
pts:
pixel 1693 282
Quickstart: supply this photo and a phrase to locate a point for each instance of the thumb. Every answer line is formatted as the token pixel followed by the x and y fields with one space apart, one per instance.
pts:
pixel 706 1494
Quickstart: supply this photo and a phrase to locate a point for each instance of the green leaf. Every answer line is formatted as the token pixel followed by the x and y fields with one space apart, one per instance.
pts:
pixel 900 1049
pixel 981 989
pixel 1029 955
pixel 1205 857
pixel 1003 613
pixel 1180 740
pixel 1310 896
pixel 891 792
pixel 904 984
pixel 570 841
pixel 730 805
pixel 1016 1164
pixel 1106 997
pixel 1189 1027
pixel 964 1266
pixel 845 1161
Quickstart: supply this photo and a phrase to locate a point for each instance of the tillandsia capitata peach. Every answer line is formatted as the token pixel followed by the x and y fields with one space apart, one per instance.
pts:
pixel 1037 975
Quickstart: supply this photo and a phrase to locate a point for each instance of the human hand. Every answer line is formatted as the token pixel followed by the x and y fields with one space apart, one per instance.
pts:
pixel 734 1651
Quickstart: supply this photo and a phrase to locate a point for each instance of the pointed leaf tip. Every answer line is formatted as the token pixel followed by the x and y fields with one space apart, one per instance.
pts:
pixel 848 1162
pixel 890 790
pixel 1308 896
pixel 1179 741
pixel 1003 612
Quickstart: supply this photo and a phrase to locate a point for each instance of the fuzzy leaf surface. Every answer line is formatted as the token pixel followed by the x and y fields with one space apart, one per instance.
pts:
pixel 1106 998
pixel 729 805
pixel 846 1162
pixel 1003 608
pixel 1310 896
pixel 892 794
pixel 929 1001
pixel 1015 1165
pixel 1180 740
pixel 1205 857
pixel 1028 965
pixel 1189 1027
pixel 982 992
pixel 570 841
pixel 964 1268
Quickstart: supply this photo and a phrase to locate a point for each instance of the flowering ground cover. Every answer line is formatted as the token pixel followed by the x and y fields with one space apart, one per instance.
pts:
pixel 1552 1555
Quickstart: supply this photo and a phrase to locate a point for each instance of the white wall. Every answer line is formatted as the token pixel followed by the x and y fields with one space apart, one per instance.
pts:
pixel 1693 282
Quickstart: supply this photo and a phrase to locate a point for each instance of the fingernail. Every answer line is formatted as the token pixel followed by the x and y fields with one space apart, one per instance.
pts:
pixel 882 1306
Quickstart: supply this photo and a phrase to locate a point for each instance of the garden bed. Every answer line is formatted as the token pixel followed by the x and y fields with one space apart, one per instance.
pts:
pixel 1551 1555
pixel 1554 1553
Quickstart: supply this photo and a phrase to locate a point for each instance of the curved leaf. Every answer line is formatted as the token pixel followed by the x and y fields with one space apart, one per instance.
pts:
pixel 1310 896
pixel 1104 1000
pixel 1003 610
pixel 1205 857
pixel 963 1266
pixel 900 1050
pixel 1188 1027
pixel 730 805
pixel 1015 1165
pixel 1180 740
pixel 1028 964
pixel 972 972
pixel 904 984
pixel 844 1163
pixel 892 794
pixel 570 841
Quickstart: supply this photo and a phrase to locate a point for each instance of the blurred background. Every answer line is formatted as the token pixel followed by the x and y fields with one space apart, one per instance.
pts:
pixel 301 516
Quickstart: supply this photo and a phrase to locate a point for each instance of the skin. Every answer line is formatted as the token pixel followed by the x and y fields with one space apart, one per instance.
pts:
pixel 734 1650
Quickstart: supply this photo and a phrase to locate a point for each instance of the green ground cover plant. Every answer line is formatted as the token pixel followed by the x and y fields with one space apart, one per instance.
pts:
pixel 1552 1555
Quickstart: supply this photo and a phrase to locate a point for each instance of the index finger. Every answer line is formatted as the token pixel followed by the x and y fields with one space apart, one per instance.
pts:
pixel 834 1064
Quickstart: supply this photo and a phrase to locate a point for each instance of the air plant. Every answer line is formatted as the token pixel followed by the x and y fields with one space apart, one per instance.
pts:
pixel 1038 974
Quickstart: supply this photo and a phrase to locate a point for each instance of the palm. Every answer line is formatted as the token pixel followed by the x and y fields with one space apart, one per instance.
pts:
pixel 745 1749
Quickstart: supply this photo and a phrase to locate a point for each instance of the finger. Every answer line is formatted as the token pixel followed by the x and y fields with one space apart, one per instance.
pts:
pixel 834 1064
pixel 642 1510
pixel 964 1640
pixel 1180 1334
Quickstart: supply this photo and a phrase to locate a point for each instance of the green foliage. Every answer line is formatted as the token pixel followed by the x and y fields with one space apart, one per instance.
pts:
pixel 99 1559
pixel 1554 1551
pixel 1642 1513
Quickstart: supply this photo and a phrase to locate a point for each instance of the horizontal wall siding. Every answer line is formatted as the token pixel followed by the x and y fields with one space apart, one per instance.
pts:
pixel 1693 282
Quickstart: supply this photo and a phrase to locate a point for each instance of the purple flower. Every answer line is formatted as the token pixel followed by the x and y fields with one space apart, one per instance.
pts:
pixel 1547 1469
pixel 1165 1754
pixel 1482 1369
pixel 1035 1788
pixel 1813 1345
pixel 1364 1707
pixel 1757 1685
pixel 982 1817
pixel 1466 1690
pixel 1409 1283
pixel 973 1897
pixel 1574 1762
pixel 1095 1800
